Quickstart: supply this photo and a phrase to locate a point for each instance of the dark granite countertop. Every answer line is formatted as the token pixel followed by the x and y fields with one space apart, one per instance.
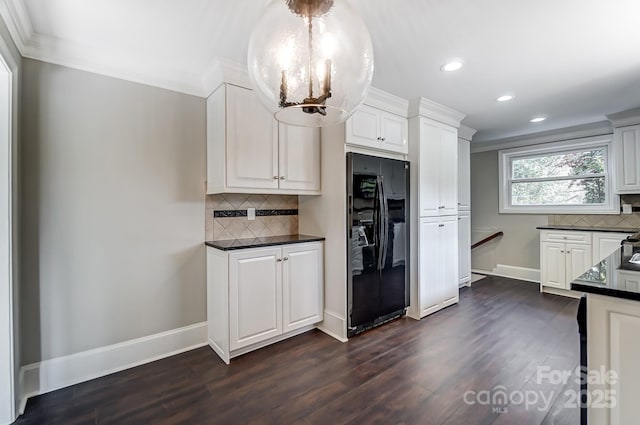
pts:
pixel 614 276
pixel 232 244
pixel 589 229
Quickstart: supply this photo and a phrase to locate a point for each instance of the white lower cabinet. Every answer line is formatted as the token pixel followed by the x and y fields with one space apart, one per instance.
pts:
pixel 255 301
pixel 436 286
pixel 561 263
pixel 259 296
pixel 613 347
pixel 605 243
pixel 564 256
pixel 302 286
pixel 464 248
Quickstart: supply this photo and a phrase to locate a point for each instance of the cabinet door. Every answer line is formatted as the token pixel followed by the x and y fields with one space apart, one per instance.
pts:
pixel 429 170
pixel 605 244
pixel 613 326
pixel 553 264
pixel 299 158
pixel 449 260
pixel 579 260
pixel 363 127
pixel 302 285
pixel 252 142
pixel 448 173
pixel 464 248
pixel 255 296
pixel 627 151
pixel 464 175
pixel 627 280
pixel 430 288
pixel 394 132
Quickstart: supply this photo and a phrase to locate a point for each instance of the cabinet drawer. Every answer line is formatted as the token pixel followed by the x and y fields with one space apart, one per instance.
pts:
pixel 565 236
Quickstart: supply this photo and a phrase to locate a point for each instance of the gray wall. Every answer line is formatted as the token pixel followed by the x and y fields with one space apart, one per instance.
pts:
pixel 520 245
pixel 113 211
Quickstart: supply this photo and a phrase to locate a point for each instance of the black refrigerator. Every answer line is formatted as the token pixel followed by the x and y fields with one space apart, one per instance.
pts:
pixel 377 241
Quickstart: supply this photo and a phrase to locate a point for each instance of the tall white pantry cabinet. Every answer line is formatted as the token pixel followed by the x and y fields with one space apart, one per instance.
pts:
pixel 464 204
pixel 433 152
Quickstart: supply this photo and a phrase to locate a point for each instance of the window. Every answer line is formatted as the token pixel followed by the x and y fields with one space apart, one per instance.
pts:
pixel 558 178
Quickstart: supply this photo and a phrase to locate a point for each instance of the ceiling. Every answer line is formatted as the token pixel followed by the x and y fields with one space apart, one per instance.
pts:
pixel 572 60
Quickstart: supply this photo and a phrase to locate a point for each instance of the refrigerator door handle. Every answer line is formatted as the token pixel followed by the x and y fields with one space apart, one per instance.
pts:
pixel 383 225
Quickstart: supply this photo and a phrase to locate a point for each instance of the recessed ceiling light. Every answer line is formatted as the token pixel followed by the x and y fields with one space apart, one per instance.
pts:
pixel 451 66
pixel 505 98
pixel 537 119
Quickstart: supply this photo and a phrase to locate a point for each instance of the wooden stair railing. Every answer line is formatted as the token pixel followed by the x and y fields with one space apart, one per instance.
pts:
pixel 487 239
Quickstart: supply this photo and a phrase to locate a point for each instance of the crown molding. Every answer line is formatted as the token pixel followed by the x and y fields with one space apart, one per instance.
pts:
pixel 387 102
pixel 435 111
pixel 52 50
pixel 224 71
pixel 466 133
pixel 625 118
pixel 16 18
pixel 600 128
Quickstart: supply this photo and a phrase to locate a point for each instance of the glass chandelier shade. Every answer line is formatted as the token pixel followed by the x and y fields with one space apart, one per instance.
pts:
pixel 310 61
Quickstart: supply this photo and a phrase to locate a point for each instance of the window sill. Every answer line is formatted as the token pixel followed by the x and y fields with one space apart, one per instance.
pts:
pixel 559 210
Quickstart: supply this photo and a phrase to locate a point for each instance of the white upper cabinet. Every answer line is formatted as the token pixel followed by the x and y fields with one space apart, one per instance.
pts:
pixel 252 142
pixel 377 129
pixel 438 173
pixel 248 152
pixel 627 153
pixel 299 158
pixel 464 175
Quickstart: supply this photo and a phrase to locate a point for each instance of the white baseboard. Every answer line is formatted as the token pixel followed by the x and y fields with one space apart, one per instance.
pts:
pixel 476 277
pixel 51 375
pixel 513 272
pixel 563 292
pixel 334 325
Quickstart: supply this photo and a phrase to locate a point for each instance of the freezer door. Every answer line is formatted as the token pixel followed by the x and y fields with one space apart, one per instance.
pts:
pixel 364 239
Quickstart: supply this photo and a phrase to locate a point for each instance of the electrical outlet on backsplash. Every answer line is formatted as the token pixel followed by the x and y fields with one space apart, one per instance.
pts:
pixel 622 221
pixel 226 216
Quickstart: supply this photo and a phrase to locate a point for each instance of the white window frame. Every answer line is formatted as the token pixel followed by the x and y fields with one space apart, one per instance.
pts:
pixel 506 156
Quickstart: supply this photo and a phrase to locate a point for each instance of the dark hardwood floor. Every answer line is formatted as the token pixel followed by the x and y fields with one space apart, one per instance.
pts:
pixel 405 372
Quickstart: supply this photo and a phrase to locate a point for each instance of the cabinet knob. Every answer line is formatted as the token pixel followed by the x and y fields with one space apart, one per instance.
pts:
pixel 379 138
pixel 285 259
pixel 278 259
pixel 282 178
pixel 459 218
pixel 383 139
pixel 440 225
pixel 275 177
pixel 561 252
pixel 441 207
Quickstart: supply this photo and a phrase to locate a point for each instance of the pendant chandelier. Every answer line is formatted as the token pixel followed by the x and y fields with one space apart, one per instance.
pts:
pixel 310 61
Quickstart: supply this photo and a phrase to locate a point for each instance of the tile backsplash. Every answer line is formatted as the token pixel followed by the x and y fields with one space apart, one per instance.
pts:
pixel 605 220
pixel 276 215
